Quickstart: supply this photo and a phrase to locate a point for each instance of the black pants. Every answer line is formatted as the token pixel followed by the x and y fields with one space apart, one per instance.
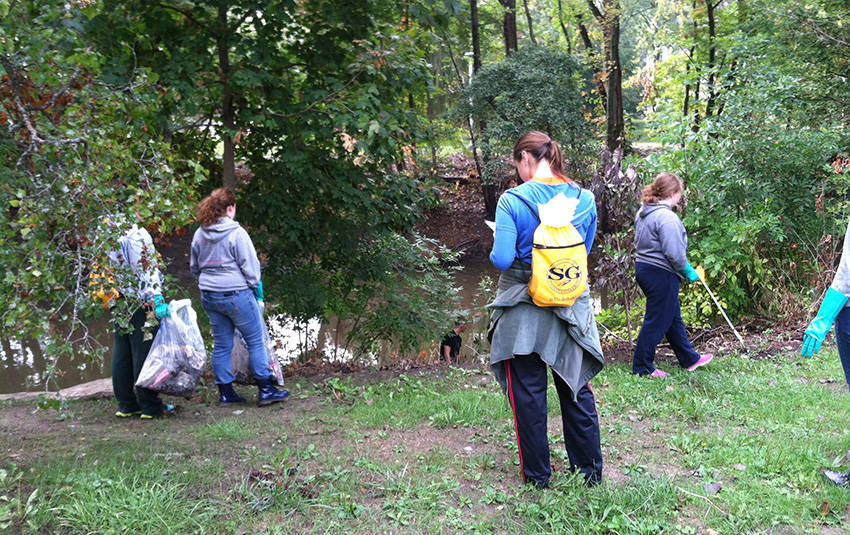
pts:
pixel 527 383
pixel 129 352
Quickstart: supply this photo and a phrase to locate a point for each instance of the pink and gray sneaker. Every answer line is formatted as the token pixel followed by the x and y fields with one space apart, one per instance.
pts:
pixel 704 359
pixel 658 373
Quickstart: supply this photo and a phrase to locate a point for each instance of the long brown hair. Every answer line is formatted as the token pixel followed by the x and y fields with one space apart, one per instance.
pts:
pixel 539 146
pixel 663 186
pixel 215 206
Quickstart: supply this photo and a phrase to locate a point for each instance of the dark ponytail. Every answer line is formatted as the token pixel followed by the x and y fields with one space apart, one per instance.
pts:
pixel 541 147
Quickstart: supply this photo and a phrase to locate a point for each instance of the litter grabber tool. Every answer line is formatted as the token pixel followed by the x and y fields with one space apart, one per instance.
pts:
pixel 701 273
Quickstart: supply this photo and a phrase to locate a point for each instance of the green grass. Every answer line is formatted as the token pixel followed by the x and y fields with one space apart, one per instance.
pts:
pixel 735 447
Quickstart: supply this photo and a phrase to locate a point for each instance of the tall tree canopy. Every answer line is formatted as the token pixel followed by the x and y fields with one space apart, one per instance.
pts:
pixel 76 145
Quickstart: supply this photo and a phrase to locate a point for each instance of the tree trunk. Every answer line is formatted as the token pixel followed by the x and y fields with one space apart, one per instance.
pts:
pixel 530 22
pixel 476 38
pixel 712 58
pixel 598 68
pixel 687 103
pixel 564 28
pixel 490 201
pixel 228 112
pixel 509 26
pixel 614 109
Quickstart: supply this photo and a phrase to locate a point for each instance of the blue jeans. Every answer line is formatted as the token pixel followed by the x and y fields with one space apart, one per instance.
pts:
pixel 663 317
pixel 237 309
pixel 842 340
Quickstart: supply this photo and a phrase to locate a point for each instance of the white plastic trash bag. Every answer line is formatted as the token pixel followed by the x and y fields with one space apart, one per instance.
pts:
pixel 177 357
pixel 241 363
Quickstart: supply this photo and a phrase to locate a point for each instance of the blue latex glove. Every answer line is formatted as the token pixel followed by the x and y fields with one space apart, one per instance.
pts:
pixel 690 273
pixel 258 292
pixel 832 304
pixel 160 309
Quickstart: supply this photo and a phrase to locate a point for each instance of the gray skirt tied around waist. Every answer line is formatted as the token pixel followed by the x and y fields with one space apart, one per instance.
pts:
pixel 565 338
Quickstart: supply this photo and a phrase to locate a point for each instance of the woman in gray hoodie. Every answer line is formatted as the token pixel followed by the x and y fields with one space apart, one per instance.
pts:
pixel 225 262
pixel 661 243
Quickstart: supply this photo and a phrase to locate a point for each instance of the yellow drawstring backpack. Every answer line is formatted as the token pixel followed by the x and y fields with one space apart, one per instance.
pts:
pixel 558 255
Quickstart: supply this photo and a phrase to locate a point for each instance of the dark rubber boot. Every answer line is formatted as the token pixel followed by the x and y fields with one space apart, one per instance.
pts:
pixel 228 396
pixel 842 479
pixel 269 394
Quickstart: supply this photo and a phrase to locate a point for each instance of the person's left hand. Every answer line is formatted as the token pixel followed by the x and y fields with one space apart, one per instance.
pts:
pixel 160 308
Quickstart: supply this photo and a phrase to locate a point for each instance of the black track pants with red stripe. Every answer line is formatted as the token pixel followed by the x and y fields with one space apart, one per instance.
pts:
pixel 527 382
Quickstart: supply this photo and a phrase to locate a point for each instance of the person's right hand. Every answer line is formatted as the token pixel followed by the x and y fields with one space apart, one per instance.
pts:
pixel 690 273
pixel 258 292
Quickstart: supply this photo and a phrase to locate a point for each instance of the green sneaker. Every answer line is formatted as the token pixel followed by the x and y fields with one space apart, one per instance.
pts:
pixel 127 414
pixel 167 408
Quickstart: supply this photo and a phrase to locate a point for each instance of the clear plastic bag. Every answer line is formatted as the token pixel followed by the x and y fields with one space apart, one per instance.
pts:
pixel 177 357
pixel 241 363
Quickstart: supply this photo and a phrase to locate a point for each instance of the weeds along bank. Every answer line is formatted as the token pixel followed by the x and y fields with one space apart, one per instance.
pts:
pixel 734 449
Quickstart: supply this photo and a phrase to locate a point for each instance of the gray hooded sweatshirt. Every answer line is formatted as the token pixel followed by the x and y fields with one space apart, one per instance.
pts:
pixel 660 238
pixel 223 257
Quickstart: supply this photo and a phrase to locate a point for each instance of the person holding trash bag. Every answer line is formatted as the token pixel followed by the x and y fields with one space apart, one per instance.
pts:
pixel 135 267
pixel 834 308
pixel 661 263
pixel 225 262
pixel 526 339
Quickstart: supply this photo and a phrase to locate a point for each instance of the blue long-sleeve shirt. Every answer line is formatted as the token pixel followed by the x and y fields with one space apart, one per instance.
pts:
pixel 515 223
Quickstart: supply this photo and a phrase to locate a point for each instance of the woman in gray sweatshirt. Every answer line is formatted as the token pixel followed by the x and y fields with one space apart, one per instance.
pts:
pixel 661 263
pixel 225 262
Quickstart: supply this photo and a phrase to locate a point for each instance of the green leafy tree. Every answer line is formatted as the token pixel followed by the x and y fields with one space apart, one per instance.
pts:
pixel 537 88
pixel 75 148
pixel 318 100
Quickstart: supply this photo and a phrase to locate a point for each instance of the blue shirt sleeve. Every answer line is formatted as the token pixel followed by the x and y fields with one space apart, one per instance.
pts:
pixel 504 241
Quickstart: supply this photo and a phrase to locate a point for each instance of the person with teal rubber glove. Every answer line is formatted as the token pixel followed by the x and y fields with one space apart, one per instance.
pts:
pixel 661 263
pixel 834 309
pixel 135 264
pixel 224 260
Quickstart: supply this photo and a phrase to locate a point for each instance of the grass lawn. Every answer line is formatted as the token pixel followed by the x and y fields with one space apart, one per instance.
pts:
pixel 732 448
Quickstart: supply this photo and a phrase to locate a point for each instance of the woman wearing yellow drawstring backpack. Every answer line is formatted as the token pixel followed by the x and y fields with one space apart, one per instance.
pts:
pixel 528 339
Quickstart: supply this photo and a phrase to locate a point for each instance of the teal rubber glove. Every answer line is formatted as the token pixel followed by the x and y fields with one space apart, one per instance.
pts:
pixel 832 304
pixel 160 309
pixel 258 292
pixel 690 273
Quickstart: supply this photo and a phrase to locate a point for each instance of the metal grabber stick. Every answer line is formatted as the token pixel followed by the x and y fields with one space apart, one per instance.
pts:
pixel 720 308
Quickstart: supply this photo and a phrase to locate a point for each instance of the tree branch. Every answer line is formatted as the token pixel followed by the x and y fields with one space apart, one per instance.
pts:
pixel 595 10
pixel 188 16
pixel 321 100
pixel 58 93
pixel 809 24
